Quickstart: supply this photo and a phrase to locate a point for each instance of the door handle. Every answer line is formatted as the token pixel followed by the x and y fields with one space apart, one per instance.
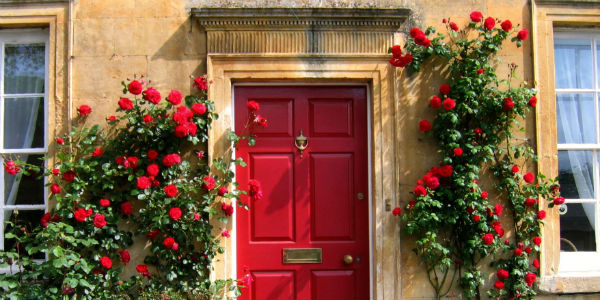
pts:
pixel 348 259
pixel 301 142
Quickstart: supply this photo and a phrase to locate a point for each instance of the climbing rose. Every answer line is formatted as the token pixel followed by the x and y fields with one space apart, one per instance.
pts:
pixel 126 208
pixel 152 95
pixel 125 257
pixel 97 152
pixel 148 119
pixel 530 278
pixel 222 191
pixel 225 233
pixel 528 177
pixel 537 240
pixel 522 35
pixel 175 246
pixel 106 262
pixel 196 216
pixel 559 200
pixel 227 209
pixel 208 182
pixel 458 151
pixel 104 202
pixel 170 190
pixel 99 221
pixel 55 188
pixel 445 89
pixel 541 214
pixel 453 26
pixel 152 170
pixel 529 202
pixel 199 108
pixel 84 110
pixel 489 23
pixel 432 182
pixel 498 210
pixel 152 154
pixel 253 105
pixel 506 25
pixel 171 159
pixel 476 218
pixel 478 131
pixel 143 183
pixel 125 104
pixel 168 242
pixel 152 234
pixel 484 195
pixel 435 102
pixel 518 252
pixel 424 126
pixel 479 71
pixel 397 211
pixel 419 191
pixel 174 97
pixel 60 141
pixel 414 32
pixel 476 16
pixel 449 103
pixel 508 104
pixel 81 214
pixel 445 170
pixel 175 213
pixel 11 167
pixel 69 176
pixel 536 263
pixel 135 87
pixel 143 269
pixel 488 238
pixel 515 169
pixel 200 83
pixel 532 101
pixel 502 274
pixel 254 189
pixel 55 171
pixel 499 284
pixel 261 121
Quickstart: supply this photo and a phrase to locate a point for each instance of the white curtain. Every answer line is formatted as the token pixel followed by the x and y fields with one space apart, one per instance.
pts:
pixel 576 113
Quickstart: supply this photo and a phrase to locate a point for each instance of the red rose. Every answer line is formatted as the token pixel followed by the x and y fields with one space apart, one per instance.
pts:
pixel 104 202
pixel 174 97
pixel 458 151
pixel 143 182
pixel 506 25
pixel 522 35
pixel 449 104
pixel 484 195
pixel 488 238
pixel 133 161
pixel 446 171
pixel 168 242
pixel 106 262
pixel 196 216
pixel 99 221
pixel 478 131
pixel 414 32
pixel 419 191
pixel 435 102
pixel 200 83
pixel 55 171
pixel 181 131
pixel 222 191
pixel 170 190
pixel 498 209
pixel 261 121
pixel 125 257
pixel 499 284
pixel 559 200
pixel 175 246
pixel 479 71
pixel 476 218
pixel 97 152
pixel 152 154
pixel 254 189
pixel 536 263
pixel 153 234
pixel 515 169
pixel 225 233
pixel 152 170
pixel 55 188
pixel 532 101
pixel 143 269
pixel 529 202
pixel 60 141
pixel 530 278
pixel 528 250
pixel 453 26
pixel 82 214
pixel 125 104
pixel 528 177
pixel 508 104
pixel 152 95
pixel 253 105
pixel 401 61
pixel 111 118
pixel 541 214
pixel 199 108
pixel 537 240
pixel 11 167
pixel 412 204
pixel 126 208
pixel 208 182
pixel 175 213
pixel 518 251
pixel 396 53
pixel 397 211
pixel 135 87
pixel 476 16
pixel 489 23
pixel 227 209
pixel 421 39
pixel 148 119
pixel 424 126
pixel 84 110
pixel 171 159
pixel 445 89
pixel 520 245
pixel 432 182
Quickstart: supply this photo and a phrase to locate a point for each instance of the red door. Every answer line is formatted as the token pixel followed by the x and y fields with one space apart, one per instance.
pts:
pixel 312 200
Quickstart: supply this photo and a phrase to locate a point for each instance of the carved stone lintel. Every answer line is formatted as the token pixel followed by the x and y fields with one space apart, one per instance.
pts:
pixel 300 30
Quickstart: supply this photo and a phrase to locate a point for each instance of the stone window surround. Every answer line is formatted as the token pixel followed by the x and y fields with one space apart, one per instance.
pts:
pixel 549 15
pixel 299 46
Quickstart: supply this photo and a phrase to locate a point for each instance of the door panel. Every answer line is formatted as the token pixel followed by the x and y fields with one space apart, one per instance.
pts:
pixel 310 199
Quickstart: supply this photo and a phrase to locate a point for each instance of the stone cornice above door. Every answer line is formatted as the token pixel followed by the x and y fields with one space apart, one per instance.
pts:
pixel 300 30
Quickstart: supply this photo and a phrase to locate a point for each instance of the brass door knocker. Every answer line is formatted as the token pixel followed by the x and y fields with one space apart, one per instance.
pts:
pixel 301 142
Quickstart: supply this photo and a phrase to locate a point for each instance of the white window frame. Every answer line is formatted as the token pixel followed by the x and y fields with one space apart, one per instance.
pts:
pixel 21 36
pixel 585 263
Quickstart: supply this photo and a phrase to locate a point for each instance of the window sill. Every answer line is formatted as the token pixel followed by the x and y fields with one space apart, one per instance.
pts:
pixel 572 282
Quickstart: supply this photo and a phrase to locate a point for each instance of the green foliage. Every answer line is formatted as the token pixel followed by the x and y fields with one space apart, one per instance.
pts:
pixel 107 163
pixel 455 225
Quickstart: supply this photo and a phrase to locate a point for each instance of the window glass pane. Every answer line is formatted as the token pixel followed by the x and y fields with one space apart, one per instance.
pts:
pixel 576 174
pixel 575 118
pixel 577 227
pixel 572 60
pixel 24 68
pixel 29 189
pixel 23 123
pixel 26 220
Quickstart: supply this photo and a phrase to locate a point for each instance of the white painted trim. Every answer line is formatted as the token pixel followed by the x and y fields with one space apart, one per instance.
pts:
pixel 369 166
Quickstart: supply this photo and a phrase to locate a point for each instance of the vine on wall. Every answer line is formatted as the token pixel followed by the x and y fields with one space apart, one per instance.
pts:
pixel 457 228
pixel 143 178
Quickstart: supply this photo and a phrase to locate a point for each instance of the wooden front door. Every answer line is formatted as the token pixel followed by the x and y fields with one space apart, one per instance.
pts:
pixel 316 200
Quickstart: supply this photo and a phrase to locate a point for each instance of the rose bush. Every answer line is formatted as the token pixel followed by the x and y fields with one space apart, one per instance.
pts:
pixel 454 221
pixel 132 180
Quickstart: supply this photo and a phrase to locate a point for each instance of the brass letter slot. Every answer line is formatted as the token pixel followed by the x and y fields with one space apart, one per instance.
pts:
pixel 302 256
